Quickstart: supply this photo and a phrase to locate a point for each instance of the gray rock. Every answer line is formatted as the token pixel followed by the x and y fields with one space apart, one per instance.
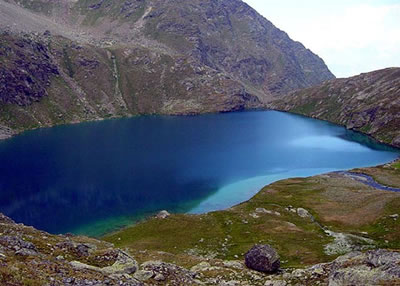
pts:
pixel 303 213
pixel 375 267
pixel 163 214
pixel 16 243
pixel 262 258
pixel 275 283
pixel 233 264
pixel 124 264
pixel 26 252
pixel 159 277
pixel 143 275
pixel 202 266
pixel 175 275
pixel 263 210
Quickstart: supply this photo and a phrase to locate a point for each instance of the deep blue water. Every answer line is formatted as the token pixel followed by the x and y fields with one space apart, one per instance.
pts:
pixel 93 177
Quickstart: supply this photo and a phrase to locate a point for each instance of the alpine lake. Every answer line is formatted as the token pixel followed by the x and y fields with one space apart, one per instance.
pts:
pixel 93 178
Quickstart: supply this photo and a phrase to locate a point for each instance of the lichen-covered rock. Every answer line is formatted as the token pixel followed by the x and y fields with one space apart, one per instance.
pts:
pixel 262 258
pixel 375 267
pixel 169 274
pixel 303 213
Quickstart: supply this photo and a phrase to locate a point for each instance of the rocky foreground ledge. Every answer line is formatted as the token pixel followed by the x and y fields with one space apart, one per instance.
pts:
pixel 32 257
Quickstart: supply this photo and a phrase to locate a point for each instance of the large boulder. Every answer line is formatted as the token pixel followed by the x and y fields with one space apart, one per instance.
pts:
pixel 262 258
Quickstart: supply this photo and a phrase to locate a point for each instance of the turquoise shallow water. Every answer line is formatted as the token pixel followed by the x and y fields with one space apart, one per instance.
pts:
pixel 95 177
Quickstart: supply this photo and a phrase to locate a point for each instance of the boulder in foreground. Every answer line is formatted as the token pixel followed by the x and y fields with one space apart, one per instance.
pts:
pixel 262 258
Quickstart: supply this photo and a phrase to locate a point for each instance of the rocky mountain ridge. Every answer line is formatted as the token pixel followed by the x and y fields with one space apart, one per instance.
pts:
pixel 72 61
pixel 369 103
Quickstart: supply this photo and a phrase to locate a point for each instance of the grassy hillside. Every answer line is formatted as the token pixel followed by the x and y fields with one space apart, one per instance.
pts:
pixel 340 215
pixel 369 103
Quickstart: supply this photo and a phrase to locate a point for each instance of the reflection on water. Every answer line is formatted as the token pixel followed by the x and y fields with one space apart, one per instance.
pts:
pixel 328 143
pixel 94 177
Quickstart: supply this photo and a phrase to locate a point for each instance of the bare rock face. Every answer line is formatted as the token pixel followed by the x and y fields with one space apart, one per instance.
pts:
pixel 26 72
pixel 262 258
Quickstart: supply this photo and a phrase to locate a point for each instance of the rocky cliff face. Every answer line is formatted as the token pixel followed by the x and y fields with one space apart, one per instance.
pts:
pixel 71 61
pixel 369 103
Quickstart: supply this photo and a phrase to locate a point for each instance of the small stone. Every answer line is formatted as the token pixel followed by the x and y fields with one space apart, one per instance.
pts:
pixel 298 273
pixel 233 264
pixel 143 275
pixel 254 215
pixel 262 258
pixel 275 283
pixel 159 277
pixel 230 283
pixel 163 214
pixel 303 213
pixel 263 210
pixel 200 267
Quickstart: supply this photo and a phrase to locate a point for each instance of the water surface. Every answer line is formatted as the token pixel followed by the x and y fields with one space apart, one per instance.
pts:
pixel 93 177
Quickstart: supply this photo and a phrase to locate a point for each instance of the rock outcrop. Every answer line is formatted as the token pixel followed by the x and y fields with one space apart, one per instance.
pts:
pixel 369 103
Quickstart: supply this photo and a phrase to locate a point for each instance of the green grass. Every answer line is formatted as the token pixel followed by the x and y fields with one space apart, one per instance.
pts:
pixel 305 109
pixel 230 233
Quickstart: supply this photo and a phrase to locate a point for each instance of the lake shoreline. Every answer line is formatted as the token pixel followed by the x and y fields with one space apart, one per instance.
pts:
pixel 7 133
pixel 272 216
pixel 182 164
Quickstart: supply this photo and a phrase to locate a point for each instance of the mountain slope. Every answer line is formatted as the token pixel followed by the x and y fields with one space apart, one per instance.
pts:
pixel 369 103
pixel 225 35
pixel 100 59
